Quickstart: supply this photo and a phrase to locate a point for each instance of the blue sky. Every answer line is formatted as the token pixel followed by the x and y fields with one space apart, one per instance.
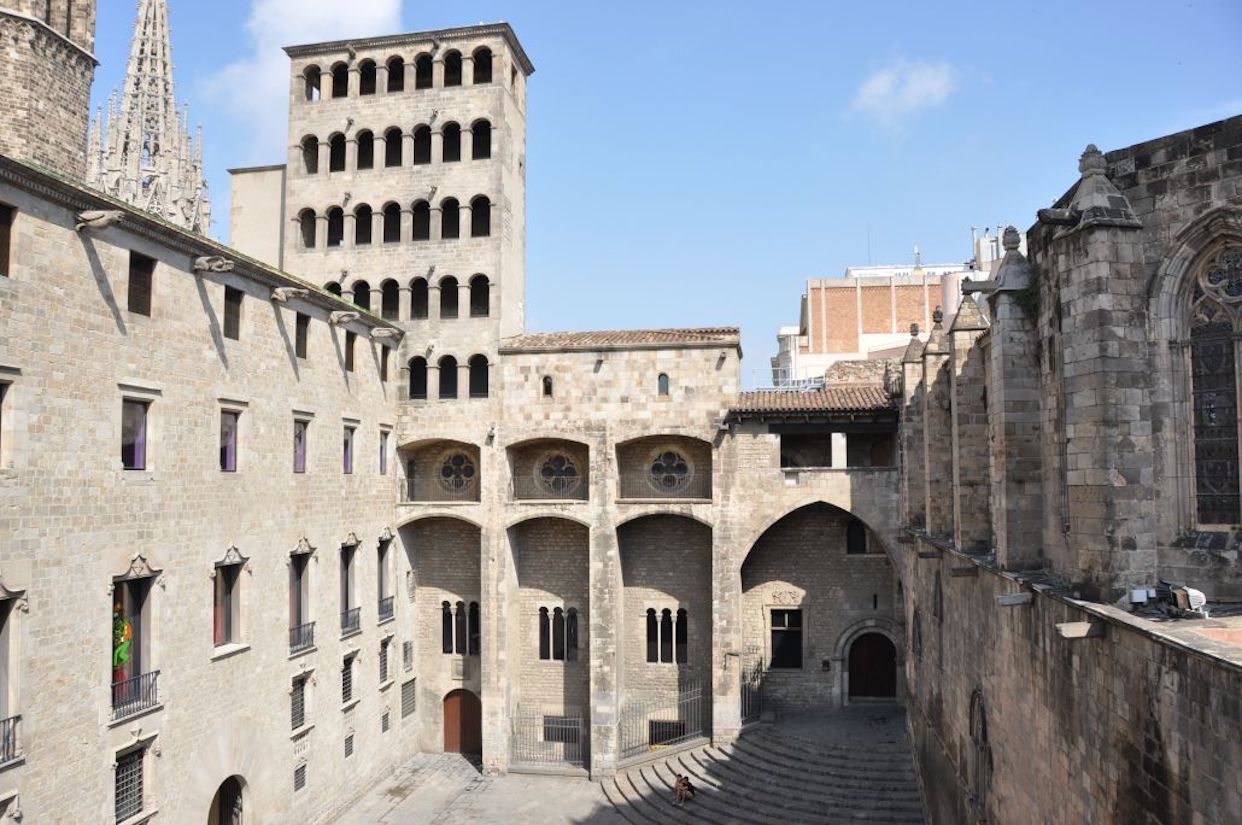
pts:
pixel 692 163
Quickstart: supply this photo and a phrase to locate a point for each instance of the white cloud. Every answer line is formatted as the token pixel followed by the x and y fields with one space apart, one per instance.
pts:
pixel 893 93
pixel 254 89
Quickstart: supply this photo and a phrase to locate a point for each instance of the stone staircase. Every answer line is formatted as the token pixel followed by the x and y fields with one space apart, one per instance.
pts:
pixel 792 772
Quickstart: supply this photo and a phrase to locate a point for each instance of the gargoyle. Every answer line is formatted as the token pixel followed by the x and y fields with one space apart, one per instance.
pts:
pixel 213 263
pixel 281 294
pixel 98 219
pixel 341 317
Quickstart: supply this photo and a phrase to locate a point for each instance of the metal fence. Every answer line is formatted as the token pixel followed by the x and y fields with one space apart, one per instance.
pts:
pixel 542 737
pixel 385 608
pixel 302 637
pixel 135 695
pixel 651 724
pixel 9 749
pixel 752 694
pixel 351 620
pixel 422 488
pixel 527 487
pixel 644 485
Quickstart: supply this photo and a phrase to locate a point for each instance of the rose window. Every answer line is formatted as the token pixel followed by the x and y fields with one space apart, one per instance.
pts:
pixel 457 473
pixel 670 472
pixel 558 475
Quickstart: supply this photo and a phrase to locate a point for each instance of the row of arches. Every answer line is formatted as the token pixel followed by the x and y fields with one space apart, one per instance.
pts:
pixel 447 382
pixel 395 74
pixel 391 151
pixel 449 287
pixel 386 223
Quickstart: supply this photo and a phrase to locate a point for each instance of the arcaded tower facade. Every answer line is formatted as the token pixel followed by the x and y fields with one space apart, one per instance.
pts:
pixel 46 69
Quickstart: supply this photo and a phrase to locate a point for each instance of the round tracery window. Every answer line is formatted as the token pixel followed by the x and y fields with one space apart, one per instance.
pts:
pixel 557 474
pixel 670 472
pixel 457 472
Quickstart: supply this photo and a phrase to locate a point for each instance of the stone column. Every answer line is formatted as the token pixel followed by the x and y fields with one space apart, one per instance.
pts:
pixel 325 157
pixel 496 642
pixel 433 300
pixel 435 227
pixel 433 379
pixel 377 225
pixel 972 526
pixel 467 143
pixel 351 153
pixel 467 69
pixel 347 235
pixel 463 297
pixel 937 432
pixel 321 230
pixel 913 471
pixel 381 78
pixel 839 447
pixel 325 84
pixel 437 146
pixel 606 622
pixel 437 71
pixel 405 303
pixel 355 81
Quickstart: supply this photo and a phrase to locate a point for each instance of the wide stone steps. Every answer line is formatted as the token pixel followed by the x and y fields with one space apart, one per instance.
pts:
pixel 768 777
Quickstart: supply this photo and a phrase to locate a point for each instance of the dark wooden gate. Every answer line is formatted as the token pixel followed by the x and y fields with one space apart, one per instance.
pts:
pixel 873 667
pixel 463 723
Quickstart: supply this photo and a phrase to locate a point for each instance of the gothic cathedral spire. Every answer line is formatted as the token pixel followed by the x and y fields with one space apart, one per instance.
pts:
pixel 141 152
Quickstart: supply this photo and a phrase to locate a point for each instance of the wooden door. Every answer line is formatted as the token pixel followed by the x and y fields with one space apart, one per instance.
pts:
pixel 463 723
pixel 873 667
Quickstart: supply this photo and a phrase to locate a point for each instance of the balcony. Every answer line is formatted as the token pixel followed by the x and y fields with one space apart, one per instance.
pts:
pixel 301 637
pixel 351 620
pixel 9 748
pixel 666 486
pixel 386 608
pixel 550 488
pixel 438 490
pixel 132 696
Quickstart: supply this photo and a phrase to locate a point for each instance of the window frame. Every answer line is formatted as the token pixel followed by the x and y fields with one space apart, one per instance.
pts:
pixel 8 218
pixel 231 323
pixel 140 462
pixel 348 436
pixel 140 301
pixel 301 336
pixel 226 604
pixel 300 451
pixel 230 440
pixel 789 631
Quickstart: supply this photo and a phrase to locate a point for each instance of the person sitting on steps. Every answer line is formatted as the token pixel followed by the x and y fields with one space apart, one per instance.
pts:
pixel 683 790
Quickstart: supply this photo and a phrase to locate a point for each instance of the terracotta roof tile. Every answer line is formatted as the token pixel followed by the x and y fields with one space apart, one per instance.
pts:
pixel 623 339
pixel 842 398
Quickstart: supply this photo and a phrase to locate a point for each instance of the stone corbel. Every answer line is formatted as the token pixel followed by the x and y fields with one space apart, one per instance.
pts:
pixel 231 556
pixel 386 534
pixel 21 601
pixel 351 540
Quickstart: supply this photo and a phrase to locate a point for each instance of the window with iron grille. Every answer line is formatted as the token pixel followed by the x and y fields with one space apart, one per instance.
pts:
pixel 409 698
pixel 349 746
pixel 347 679
pixel 299 777
pixel 298 702
pixel 384 722
pixel 383 660
pixel 407 655
pixel 129 784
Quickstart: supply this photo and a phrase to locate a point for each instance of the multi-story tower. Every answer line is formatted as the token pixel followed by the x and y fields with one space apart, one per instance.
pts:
pixel 45 81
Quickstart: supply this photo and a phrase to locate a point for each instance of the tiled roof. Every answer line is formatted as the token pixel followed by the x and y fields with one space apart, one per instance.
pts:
pixel 623 339
pixel 843 398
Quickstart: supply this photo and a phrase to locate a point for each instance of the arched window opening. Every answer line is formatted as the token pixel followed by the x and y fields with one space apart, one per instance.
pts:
pixel 571 635
pixel 448 297
pixel 396 74
pixel 363 218
pixel 855 537
pixel 366 77
pixel 227 807
pixel 473 631
pixel 450 218
pixel 450 139
pixel 392 223
pixel 422 71
pixel 362 295
pixel 336 153
pixel 448 377
pixel 480 296
pixel 666 635
pixel 653 636
pixel 307 223
pixel 459 638
pixel 558 635
pixel 545 643
pixel 390 300
pixel 419 298
pixel 421 215
pixel 310 154
pixel 547 386
pixel 366 149
pixel 480 217
pixel 333 287
pixel 340 80
pixel 478 376
pixel 1213 377
pixel 422 145
pixel 662 384
pixel 446 627
pixel 679 636
pixel 418 378
pixel 312 77
pixel 482 65
pixel 336 226
pixel 392 147
pixel 452 68
pixel 980 757
pixel 482 143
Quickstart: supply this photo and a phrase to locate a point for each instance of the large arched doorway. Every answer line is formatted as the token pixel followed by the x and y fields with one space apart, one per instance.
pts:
pixel 873 667
pixel 463 723
pixel 226 805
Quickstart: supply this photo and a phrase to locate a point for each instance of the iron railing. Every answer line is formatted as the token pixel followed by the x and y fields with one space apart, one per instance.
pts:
pixel 135 695
pixel 351 620
pixel 659 722
pixel 547 737
pixel 386 608
pixel 302 637
pixel 9 748
pixel 752 694
pixel 528 487
pixel 421 489
pixel 644 485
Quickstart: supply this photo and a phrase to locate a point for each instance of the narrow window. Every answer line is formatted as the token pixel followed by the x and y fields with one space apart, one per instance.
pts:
pixel 383 660
pixel 547 386
pixel 307 223
pixel 366 150
pixel 448 377
pixel 297 703
pixel 787 639
pixel 452 68
pixel 232 313
pixel 336 153
pixel 340 80
pixel 545 632
pixel 301 629
pixel 571 635
pixel 134 434
pixel 420 215
pixel 407 655
pixel 347 452
pixel 396 74
pixel 855 537
pixel 227 604
pixel 301 334
pixel 482 65
pixel 347 693
pixel 350 612
pixel 478 376
pixel 350 342
pixel 131 692
pixel 128 788
pixel 653 636
pixel 422 71
pixel 450 141
pixel 383 453
pixel 459 638
pixel 310 154
pixel 422 145
pixel 299 777
pixel 366 77
pixel 390 299
pixel 228 440
pixel 141 274
pixel 558 634
pixel 418 378
pixel 448 297
pixel 419 298
pixel 1213 374
pixel 446 627
pixel 474 628
pixel 311 79
pixel 383 364
pixel 336 226
pixel 481 146
pixel 480 217
pixel 392 147
pixel 679 637
pixel 299 446
pixel 392 226
pixel 363 223
pixel 666 635
pixel 662 384
pixel 409 698
pixel 334 288
pixel 349 746
pixel 450 218
pixel 480 296
pixel 362 295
